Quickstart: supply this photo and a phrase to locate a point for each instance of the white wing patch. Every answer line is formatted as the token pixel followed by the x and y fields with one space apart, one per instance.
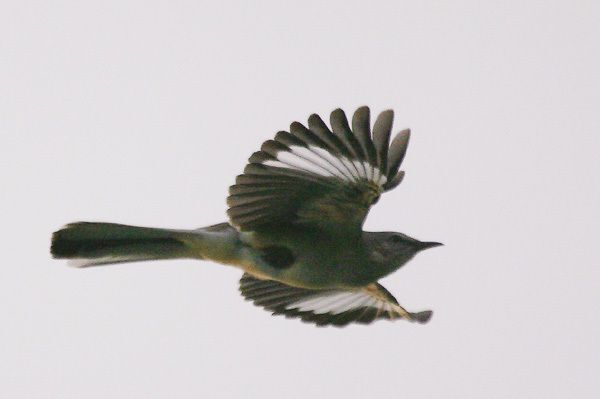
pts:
pixel 85 262
pixel 290 160
pixel 333 160
pixel 337 302
pixel 321 162
pixel 315 158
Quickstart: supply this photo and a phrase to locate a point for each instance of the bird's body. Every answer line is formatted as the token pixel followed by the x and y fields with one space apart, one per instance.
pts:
pixel 295 226
pixel 311 258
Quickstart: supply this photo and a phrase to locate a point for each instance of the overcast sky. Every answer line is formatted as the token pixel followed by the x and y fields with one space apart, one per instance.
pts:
pixel 143 112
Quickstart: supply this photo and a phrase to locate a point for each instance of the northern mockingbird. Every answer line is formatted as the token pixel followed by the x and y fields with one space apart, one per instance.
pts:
pixel 295 225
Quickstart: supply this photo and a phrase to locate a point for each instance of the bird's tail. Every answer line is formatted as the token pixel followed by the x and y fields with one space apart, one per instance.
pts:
pixel 90 244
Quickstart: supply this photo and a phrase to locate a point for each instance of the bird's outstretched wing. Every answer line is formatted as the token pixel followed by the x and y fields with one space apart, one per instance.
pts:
pixel 327 307
pixel 317 176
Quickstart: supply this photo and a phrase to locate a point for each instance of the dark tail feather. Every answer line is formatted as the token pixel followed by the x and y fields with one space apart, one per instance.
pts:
pixel 89 244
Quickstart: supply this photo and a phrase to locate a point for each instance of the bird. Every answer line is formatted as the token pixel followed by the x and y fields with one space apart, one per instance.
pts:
pixel 295 225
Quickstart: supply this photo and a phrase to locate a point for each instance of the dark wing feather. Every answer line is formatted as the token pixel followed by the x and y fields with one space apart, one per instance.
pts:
pixel 340 127
pixel 396 154
pixel 362 129
pixel 381 137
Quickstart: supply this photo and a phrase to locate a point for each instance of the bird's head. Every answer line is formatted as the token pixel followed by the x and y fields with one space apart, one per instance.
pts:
pixel 396 248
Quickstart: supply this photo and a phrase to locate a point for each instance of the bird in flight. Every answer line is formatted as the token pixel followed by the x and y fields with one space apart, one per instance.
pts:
pixel 295 225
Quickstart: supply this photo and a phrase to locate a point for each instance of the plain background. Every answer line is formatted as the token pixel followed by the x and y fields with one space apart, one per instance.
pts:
pixel 144 112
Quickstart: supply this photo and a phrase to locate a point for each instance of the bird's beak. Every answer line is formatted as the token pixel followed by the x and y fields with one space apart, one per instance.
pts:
pixel 426 245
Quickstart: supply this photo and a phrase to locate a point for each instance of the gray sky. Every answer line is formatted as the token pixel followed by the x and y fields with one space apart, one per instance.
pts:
pixel 144 112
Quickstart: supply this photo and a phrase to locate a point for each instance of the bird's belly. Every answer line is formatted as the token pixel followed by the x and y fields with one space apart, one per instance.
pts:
pixel 318 261
pixel 312 272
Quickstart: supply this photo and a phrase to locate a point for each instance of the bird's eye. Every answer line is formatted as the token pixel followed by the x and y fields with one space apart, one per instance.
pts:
pixel 395 239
